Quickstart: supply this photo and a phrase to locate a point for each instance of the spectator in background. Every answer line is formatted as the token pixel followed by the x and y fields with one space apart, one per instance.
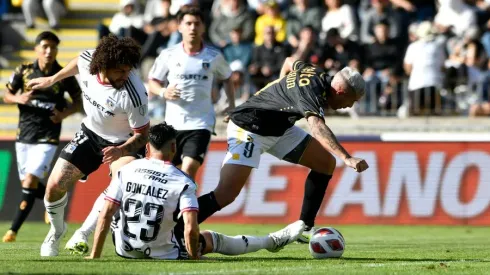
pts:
pixel 381 10
pixel 237 50
pixel 159 33
pixel 341 52
pixel 424 63
pixel 54 10
pixel 121 21
pixel 267 59
pixel 454 17
pixel 233 13
pixel 340 16
pixel 271 17
pixel 259 6
pixel 308 49
pixel 381 56
pixel 381 62
pixel 416 10
pixel 300 15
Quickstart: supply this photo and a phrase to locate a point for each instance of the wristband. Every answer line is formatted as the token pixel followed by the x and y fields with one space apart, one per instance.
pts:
pixel 162 92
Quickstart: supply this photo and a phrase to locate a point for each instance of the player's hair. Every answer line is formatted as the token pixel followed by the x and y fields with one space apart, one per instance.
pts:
pixel 113 52
pixel 47 35
pixel 354 80
pixel 194 11
pixel 160 134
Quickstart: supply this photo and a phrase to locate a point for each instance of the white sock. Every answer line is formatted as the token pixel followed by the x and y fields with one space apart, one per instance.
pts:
pixel 240 244
pixel 88 226
pixel 56 213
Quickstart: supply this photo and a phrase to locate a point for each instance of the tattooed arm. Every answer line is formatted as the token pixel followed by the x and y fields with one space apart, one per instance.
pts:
pixel 133 144
pixel 138 140
pixel 328 140
pixel 324 135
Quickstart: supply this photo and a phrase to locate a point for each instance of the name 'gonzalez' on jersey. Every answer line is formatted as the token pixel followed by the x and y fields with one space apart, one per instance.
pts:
pixel 277 106
pixel 112 114
pixel 152 195
pixel 193 75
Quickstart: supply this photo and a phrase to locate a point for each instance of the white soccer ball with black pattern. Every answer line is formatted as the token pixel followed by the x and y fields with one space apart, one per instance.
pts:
pixel 327 242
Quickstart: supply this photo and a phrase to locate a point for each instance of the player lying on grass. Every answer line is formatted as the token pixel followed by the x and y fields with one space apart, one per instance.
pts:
pixel 151 194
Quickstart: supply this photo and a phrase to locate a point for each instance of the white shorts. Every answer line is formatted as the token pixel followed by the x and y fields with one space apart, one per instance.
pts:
pixel 34 159
pixel 245 148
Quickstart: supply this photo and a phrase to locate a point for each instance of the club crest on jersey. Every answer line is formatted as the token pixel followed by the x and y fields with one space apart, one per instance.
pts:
pixel 205 65
pixel 143 109
pixel 110 103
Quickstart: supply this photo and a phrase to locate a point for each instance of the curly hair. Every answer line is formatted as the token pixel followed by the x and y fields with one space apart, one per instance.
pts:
pixel 113 52
pixel 160 134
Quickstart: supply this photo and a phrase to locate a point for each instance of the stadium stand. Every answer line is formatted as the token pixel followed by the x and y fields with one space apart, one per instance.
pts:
pixel 370 35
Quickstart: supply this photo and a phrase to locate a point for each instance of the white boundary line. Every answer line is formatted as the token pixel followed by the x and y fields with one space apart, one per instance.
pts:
pixel 435 137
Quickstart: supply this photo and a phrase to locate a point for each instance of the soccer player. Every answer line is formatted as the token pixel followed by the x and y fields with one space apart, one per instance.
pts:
pixel 265 123
pixel 41 113
pixel 150 195
pixel 115 130
pixel 189 69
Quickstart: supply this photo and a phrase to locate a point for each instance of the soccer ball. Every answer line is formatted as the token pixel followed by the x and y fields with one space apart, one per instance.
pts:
pixel 326 242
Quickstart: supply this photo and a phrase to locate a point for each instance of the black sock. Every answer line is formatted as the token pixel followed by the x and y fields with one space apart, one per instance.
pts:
pixel 41 190
pixel 315 187
pixel 207 206
pixel 25 207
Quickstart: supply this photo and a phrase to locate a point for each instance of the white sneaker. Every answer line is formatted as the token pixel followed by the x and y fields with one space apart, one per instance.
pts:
pixel 286 235
pixel 51 243
pixel 306 236
pixel 78 243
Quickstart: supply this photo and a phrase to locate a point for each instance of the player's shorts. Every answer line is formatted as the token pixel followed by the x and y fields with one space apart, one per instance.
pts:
pixel 85 151
pixel 245 148
pixel 193 144
pixel 34 159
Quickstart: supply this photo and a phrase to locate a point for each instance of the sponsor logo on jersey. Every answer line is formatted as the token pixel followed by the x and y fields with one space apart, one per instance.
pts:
pixel 205 65
pixel 97 105
pixel 191 77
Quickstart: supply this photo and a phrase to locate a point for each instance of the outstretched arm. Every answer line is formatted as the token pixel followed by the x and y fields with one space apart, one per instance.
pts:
pixel 191 233
pixel 103 223
pixel 327 139
pixel 44 82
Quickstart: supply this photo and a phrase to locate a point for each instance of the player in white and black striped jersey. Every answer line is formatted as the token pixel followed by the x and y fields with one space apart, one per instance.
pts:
pixel 114 131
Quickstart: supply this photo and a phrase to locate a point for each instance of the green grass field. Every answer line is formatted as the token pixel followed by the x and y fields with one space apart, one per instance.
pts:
pixel 370 250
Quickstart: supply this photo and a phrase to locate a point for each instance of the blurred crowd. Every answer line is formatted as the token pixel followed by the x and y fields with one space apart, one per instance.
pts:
pixel 418 57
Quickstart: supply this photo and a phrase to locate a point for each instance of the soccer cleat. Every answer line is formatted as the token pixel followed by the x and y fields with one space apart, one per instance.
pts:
pixel 78 243
pixel 305 237
pixel 51 244
pixel 9 237
pixel 286 235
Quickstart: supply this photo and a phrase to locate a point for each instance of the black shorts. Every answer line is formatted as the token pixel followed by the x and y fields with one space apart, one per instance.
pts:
pixel 193 144
pixel 85 151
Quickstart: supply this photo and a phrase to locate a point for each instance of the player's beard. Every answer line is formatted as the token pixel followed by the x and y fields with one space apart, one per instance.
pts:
pixel 117 84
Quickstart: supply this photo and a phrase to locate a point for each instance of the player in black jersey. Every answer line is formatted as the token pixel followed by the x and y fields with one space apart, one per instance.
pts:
pixel 265 123
pixel 41 113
